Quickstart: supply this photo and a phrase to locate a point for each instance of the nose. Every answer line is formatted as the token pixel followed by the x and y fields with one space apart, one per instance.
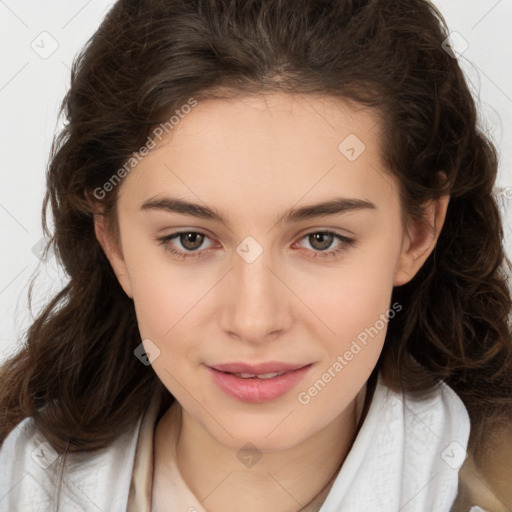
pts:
pixel 258 305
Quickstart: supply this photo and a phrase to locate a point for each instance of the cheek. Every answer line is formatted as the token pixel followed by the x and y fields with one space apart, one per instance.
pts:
pixel 165 294
pixel 161 295
pixel 167 315
pixel 366 296
pixel 357 308
pixel 351 297
pixel 164 303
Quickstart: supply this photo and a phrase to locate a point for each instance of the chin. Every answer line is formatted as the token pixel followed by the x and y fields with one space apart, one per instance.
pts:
pixel 267 435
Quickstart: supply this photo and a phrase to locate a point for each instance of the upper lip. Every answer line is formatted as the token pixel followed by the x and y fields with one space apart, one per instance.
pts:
pixel 257 369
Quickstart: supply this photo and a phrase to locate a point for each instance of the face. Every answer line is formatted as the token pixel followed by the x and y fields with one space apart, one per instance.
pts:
pixel 262 283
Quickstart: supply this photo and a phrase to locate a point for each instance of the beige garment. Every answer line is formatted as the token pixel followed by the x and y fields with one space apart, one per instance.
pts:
pixel 140 496
pixel 489 487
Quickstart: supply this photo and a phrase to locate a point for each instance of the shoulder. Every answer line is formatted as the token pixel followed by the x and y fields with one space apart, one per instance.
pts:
pixel 413 446
pixel 437 428
pixel 439 422
pixel 445 415
pixel 34 475
pixel 439 416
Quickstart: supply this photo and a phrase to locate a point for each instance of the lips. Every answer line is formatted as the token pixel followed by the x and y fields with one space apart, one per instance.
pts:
pixel 257 383
pixel 257 369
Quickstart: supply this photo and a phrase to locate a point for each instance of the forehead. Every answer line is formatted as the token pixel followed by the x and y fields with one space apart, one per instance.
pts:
pixel 282 121
pixel 275 147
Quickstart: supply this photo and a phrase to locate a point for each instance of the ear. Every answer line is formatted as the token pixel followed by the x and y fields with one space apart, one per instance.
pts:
pixel 113 250
pixel 420 240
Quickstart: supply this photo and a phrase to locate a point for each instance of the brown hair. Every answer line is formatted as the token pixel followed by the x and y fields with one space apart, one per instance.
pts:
pixel 145 61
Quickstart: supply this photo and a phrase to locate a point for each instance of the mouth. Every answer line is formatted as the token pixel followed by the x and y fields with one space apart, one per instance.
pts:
pixel 257 383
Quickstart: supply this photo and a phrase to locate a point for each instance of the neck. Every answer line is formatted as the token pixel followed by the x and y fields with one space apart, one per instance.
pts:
pixel 291 480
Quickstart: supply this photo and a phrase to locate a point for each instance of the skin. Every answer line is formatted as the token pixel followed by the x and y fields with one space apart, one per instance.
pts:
pixel 253 159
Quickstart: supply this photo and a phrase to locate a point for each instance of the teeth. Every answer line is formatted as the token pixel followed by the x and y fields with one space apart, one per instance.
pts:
pixel 269 375
pixel 262 376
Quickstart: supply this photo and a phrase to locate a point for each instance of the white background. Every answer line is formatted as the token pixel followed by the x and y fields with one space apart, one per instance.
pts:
pixel 32 87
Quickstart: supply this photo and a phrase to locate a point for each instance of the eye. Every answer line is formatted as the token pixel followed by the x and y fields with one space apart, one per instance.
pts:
pixel 322 240
pixel 191 241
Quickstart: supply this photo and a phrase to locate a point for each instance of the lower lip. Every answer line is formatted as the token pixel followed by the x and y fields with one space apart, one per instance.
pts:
pixel 257 390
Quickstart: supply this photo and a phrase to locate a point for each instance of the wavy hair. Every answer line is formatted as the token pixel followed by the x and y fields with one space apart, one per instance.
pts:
pixel 146 60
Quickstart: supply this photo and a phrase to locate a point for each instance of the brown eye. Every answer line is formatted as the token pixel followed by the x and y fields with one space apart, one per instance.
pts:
pixel 184 244
pixel 321 241
pixel 191 241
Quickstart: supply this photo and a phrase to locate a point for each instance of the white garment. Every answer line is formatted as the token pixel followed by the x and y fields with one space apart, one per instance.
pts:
pixel 405 458
pixel 91 483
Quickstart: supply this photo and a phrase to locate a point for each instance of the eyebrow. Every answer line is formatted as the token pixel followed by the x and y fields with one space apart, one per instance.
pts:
pixel 334 206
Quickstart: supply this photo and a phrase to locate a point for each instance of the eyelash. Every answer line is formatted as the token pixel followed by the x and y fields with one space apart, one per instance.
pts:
pixel 346 243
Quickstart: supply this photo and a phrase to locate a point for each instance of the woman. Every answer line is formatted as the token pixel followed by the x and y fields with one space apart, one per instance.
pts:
pixel 287 283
